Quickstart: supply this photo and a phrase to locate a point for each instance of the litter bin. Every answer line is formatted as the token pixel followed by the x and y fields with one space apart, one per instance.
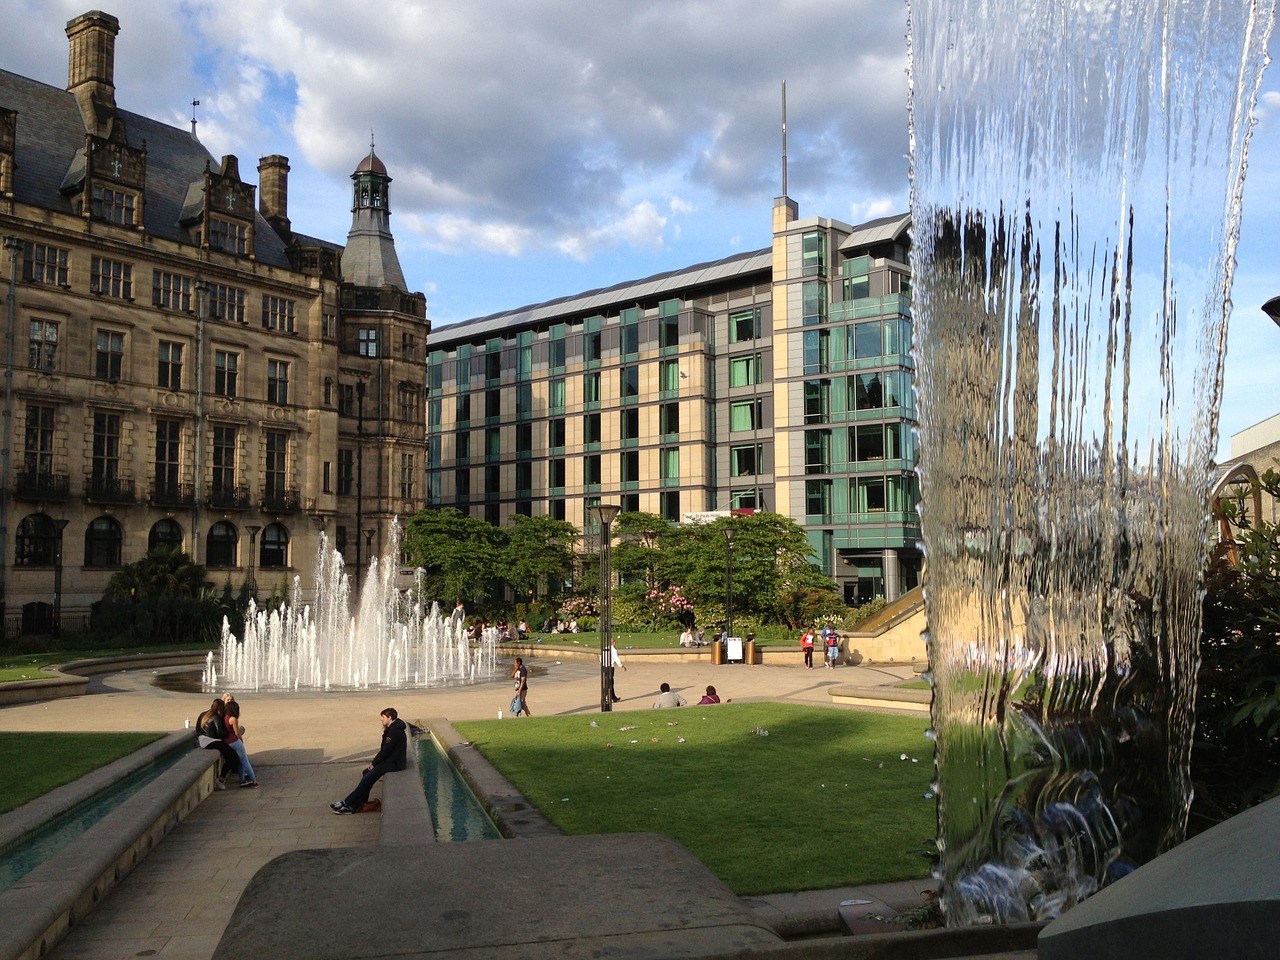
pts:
pixel 717 652
pixel 750 655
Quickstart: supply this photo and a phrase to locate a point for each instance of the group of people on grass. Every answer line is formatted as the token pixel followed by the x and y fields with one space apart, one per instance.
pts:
pixel 693 636
pixel 220 729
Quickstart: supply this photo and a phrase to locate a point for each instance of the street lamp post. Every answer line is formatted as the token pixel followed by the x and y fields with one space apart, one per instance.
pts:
pixel 728 581
pixel 606 513
pixel 253 539
pixel 57 580
pixel 359 469
pixel 12 246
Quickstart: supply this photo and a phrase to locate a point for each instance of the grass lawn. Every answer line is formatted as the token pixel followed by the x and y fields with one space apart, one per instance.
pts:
pixel 35 763
pixel 825 800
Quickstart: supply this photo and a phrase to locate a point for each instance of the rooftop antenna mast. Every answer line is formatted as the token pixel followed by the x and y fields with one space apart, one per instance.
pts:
pixel 784 138
pixel 194 104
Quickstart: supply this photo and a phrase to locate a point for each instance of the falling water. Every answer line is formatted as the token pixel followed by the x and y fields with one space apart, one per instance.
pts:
pixel 1076 180
pixel 391 640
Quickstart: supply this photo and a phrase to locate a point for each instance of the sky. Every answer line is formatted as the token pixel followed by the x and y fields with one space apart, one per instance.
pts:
pixel 540 148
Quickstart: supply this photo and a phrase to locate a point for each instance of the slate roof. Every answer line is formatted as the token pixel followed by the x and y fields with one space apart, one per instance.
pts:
pixel 50 132
pixel 876 231
pixel 597 301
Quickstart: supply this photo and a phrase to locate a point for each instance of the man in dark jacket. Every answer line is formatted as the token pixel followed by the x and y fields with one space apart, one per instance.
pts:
pixel 391 757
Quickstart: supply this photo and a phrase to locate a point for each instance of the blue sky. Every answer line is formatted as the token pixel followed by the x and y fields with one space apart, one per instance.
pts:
pixel 543 148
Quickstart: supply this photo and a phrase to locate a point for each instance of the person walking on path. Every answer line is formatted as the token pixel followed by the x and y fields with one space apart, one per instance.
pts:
pixel 392 755
pixel 611 661
pixel 831 640
pixel 520 673
pixel 806 644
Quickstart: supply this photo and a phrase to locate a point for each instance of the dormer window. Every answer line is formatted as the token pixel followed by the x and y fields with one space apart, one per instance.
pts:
pixel 228 237
pixel 113 206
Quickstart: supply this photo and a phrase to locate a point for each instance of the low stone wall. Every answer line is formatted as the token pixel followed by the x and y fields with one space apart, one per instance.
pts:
pixel 405 816
pixel 46 688
pixel 898 642
pixel 883 698
pixel 38 910
pixel 71 679
pixel 901 643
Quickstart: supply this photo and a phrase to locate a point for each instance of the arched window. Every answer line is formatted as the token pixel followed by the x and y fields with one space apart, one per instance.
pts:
pixel 222 546
pixel 37 542
pixel 165 537
pixel 102 543
pixel 275 547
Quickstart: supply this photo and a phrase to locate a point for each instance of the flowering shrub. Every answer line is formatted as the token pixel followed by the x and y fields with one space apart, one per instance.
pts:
pixel 576 608
pixel 669 604
pixel 652 610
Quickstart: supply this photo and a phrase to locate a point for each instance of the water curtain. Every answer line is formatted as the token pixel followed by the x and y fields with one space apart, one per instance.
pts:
pixel 1076 179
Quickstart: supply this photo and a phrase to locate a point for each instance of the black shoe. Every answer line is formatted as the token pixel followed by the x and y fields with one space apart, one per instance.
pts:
pixel 340 807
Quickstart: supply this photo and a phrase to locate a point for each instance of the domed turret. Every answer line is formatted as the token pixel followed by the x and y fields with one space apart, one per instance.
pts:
pixel 369 259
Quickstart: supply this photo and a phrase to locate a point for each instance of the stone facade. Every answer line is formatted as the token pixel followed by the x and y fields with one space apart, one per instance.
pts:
pixel 183 368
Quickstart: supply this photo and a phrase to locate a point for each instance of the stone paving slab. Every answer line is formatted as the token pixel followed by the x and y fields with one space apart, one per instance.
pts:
pixel 178 900
pixel 623 895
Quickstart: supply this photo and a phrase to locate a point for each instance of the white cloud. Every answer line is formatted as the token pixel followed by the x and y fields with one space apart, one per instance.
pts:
pixel 876 207
pixel 640 228
pixel 552 120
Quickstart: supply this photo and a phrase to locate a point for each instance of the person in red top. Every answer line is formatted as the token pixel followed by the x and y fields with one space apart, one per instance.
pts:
pixel 806 644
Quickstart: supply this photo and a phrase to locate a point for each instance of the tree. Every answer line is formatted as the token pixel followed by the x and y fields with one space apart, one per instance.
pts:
pixel 773 580
pixel 637 550
pixel 163 598
pixel 1236 756
pixel 538 549
pixel 459 554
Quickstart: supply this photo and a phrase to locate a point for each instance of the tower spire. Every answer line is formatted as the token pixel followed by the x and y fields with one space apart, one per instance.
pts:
pixel 784 138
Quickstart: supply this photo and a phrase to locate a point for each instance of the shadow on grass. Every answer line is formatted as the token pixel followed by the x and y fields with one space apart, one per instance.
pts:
pixel 825 799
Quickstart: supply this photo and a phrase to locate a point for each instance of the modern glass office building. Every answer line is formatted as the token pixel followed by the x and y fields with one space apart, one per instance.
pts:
pixel 774 380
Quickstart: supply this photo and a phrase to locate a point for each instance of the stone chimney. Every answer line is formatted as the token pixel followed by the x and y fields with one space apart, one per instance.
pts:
pixel 273 192
pixel 91 70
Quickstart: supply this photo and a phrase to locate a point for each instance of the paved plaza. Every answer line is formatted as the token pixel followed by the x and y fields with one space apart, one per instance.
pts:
pixel 308 748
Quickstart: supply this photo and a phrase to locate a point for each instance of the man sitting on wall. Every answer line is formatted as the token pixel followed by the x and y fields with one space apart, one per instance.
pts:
pixel 392 756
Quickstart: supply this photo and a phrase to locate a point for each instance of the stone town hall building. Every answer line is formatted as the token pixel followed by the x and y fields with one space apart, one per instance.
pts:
pixel 181 366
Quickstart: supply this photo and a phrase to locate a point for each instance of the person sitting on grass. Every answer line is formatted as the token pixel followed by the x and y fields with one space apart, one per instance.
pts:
pixel 710 696
pixel 666 698
pixel 392 755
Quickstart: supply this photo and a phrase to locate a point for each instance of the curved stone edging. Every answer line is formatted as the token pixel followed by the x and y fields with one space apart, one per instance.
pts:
pixel 40 908
pixel 71 679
